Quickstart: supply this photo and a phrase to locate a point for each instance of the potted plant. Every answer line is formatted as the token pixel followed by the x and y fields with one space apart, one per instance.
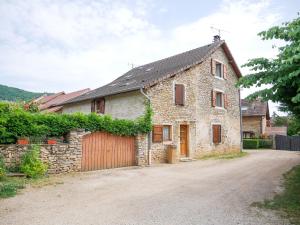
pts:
pixel 23 141
pixel 51 141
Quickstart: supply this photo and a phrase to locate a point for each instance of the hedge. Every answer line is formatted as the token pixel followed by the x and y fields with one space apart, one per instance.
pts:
pixel 15 122
pixel 265 143
pixel 250 143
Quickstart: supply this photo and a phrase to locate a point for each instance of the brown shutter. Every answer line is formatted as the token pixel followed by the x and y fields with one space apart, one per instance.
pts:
pixel 213 98
pixel 213 67
pixel 216 134
pixel 225 101
pixel 179 94
pixel 157 133
pixel 93 106
pixel 225 71
pixel 102 106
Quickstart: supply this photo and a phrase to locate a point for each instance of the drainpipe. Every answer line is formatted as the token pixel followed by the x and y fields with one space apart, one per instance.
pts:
pixel 149 134
pixel 241 120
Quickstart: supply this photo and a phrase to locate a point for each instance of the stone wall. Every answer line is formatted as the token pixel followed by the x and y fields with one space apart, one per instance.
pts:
pixel 253 123
pixel 60 158
pixel 141 145
pixel 197 112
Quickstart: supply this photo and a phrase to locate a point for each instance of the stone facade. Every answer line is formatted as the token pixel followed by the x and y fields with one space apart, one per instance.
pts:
pixel 255 124
pixel 197 112
pixel 60 158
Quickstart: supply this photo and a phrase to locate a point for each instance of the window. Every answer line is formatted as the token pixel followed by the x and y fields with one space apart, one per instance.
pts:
pixel 161 133
pixel 216 131
pixel 219 70
pixel 167 133
pixel 219 99
pixel 98 106
pixel 179 94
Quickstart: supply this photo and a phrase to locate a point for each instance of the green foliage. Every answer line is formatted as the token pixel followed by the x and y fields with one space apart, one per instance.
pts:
pixel 9 186
pixel 31 163
pixel 291 122
pixel 16 122
pixel 288 202
pixel 15 94
pixel 265 143
pixel 250 144
pixel 2 168
pixel 281 73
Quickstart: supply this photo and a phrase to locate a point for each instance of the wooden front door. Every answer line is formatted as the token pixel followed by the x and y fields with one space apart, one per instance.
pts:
pixel 101 150
pixel 183 140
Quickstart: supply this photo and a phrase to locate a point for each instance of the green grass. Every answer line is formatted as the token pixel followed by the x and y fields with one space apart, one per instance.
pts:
pixel 218 155
pixel 288 202
pixel 9 186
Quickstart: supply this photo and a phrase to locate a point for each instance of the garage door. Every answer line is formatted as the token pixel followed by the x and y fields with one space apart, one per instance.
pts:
pixel 103 151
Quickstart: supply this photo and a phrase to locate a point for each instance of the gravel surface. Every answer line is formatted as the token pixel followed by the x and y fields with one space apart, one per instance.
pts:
pixel 200 192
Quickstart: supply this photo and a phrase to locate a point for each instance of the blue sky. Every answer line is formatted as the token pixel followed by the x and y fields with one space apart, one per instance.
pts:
pixel 68 45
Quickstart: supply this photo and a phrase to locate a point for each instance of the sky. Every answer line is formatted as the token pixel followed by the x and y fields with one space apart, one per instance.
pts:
pixel 66 45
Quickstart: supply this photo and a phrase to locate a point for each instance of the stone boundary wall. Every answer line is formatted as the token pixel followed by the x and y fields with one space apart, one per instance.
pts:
pixel 60 158
pixel 66 157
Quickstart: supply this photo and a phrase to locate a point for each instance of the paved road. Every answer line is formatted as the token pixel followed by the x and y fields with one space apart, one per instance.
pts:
pixel 201 193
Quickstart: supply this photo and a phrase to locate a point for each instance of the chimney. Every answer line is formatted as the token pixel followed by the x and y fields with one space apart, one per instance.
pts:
pixel 217 38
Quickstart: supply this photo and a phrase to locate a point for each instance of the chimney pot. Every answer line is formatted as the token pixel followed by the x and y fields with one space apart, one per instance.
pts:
pixel 217 38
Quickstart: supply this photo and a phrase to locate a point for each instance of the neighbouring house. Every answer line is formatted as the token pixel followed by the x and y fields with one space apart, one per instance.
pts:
pixel 255 118
pixel 193 95
pixel 52 103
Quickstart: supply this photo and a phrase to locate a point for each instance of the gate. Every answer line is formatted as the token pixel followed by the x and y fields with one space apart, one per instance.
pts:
pixel 287 143
pixel 102 150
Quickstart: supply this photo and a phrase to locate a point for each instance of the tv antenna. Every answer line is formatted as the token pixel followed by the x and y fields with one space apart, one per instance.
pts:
pixel 131 65
pixel 218 30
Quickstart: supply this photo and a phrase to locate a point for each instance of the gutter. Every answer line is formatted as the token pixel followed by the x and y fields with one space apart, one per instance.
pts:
pixel 149 134
pixel 241 119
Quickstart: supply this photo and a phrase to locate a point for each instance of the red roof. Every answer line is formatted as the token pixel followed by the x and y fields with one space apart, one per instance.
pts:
pixel 50 101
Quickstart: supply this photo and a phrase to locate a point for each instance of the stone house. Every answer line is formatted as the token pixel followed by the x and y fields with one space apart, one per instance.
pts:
pixel 193 95
pixel 255 117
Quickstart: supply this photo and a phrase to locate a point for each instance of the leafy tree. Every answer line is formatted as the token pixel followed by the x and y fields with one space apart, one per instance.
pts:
pixel 290 121
pixel 281 73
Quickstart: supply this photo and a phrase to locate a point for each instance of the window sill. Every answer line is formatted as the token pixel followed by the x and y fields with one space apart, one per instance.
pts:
pixel 221 108
pixel 167 142
pixel 219 78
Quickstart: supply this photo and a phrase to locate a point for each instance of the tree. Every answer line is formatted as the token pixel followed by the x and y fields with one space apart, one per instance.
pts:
pixel 282 73
pixel 290 121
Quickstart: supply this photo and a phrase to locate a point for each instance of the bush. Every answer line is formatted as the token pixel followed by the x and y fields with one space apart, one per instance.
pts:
pixel 9 187
pixel 265 143
pixel 15 122
pixel 31 163
pixel 250 143
pixel 2 168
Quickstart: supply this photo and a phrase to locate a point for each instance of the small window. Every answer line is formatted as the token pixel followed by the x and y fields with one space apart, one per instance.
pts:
pixel 167 133
pixel 179 94
pixel 219 70
pixel 161 133
pixel 216 131
pixel 100 105
pixel 219 99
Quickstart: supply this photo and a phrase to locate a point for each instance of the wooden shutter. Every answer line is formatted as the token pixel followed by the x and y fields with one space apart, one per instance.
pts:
pixel 213 67
pixel 179 94
pixel 157 133
pixel 102 106
pixel 213 98
pixel 225 101
pixel 93 106
pixel 216 134
pixel 225 71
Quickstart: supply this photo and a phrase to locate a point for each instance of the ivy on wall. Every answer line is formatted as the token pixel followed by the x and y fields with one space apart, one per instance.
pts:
pixel 15 122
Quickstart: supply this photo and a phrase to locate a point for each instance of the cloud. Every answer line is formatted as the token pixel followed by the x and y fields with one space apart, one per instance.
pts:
pixel 68 45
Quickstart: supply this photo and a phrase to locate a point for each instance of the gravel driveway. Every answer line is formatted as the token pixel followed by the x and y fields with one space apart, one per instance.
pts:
pixel 199 192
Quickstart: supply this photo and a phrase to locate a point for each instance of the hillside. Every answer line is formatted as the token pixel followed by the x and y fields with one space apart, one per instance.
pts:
pixel 16 94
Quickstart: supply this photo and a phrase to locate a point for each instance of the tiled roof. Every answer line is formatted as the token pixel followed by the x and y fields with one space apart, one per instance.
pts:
pixel 255 108
pixel 59 98
pixel 149 74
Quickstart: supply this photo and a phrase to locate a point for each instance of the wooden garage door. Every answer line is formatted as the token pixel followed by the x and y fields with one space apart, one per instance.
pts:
pixel 103 151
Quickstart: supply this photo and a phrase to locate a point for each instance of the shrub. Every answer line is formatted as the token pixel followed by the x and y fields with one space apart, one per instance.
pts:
pixel 250 143
pixel 2 168
pixel 9 187
pixel 265 143
pixel 15 122
pixel 31 163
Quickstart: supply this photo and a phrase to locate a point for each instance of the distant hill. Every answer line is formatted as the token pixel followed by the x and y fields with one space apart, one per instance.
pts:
pixel 16 94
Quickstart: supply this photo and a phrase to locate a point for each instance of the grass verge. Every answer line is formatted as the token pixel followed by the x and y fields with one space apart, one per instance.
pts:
pixel 219 155
pixel 288 202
